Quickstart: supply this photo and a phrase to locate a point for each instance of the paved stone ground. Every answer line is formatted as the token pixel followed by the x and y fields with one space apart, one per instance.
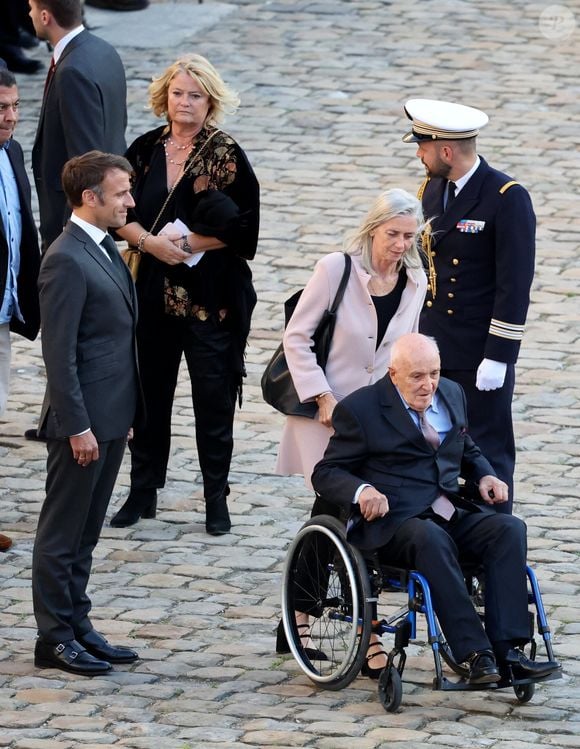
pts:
pixel 322 84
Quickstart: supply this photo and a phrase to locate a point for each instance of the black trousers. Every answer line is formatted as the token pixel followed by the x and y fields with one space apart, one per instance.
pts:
pixel 68 530
pixel 207 346
pixel 433 546
pixel 489 414
pixel 312 571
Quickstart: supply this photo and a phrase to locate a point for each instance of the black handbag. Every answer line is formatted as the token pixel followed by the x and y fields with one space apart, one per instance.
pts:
pixel 277 387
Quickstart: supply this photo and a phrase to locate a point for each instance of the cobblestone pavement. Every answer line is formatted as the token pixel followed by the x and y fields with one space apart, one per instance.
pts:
pixel 322 84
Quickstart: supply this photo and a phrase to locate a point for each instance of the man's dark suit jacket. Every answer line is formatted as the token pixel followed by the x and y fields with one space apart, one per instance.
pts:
pixel 84 109
pixel 484 270
pixel 29 253
pixel 89 316
pixel 377 442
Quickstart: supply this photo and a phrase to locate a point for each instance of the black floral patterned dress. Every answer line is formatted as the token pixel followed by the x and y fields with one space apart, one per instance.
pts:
pixel 202 312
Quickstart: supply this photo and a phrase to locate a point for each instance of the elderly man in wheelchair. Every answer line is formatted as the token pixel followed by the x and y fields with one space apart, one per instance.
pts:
pixel 393 467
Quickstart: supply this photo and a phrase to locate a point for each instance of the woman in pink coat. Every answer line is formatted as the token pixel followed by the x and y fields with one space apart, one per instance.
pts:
pixel 382 302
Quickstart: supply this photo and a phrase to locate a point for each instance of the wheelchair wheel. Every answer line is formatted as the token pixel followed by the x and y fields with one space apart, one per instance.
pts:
pixel 390 689
pixel 327 578
pixel 524 692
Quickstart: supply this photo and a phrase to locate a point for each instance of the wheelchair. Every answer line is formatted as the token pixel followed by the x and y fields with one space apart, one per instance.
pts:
pixel 340 589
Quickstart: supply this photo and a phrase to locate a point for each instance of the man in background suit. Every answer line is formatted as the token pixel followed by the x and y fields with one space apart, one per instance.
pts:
pixel 83 108
pixel 89 312
pixel 19 254
pixel 84 104
pixel 393 463
pixel 480 249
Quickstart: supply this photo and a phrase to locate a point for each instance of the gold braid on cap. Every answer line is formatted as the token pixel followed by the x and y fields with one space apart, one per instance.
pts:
pixel 426 245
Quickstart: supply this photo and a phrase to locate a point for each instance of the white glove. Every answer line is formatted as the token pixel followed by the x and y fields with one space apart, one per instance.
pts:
pixel 490 374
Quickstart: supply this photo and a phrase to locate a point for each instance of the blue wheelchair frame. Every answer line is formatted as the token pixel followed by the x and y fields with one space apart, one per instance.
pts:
pixel 403 626
pixel 344 598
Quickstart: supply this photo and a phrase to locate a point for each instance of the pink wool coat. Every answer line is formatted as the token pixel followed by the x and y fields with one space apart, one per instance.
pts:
pixel 354 359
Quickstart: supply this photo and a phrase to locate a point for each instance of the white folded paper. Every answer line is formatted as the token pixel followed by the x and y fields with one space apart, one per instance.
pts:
pixel 178 227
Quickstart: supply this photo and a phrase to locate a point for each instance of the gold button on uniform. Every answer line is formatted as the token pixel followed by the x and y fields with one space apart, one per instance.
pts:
pixel 455 261
pixel 451 295
pixel 429 303
pixel 453 280
pixel 449 311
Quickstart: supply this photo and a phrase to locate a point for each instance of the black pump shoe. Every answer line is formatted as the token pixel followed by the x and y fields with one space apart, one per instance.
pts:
pixel 282 646
pixel 141 503
pixel 217 517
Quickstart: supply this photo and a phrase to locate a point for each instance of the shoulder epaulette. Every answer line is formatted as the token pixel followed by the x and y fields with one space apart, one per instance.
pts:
pixel 506 187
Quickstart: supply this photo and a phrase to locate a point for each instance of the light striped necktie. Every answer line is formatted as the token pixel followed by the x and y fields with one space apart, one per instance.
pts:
pixel 442 506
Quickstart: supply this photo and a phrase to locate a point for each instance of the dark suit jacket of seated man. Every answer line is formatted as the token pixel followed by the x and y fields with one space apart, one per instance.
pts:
pixel 382 471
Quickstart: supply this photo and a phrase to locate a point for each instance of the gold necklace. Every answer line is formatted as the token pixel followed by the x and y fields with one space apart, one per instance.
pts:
pixel 379 286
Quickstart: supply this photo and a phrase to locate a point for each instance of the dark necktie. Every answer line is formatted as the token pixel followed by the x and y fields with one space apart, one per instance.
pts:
pixel 49 75
pixel 110 247
pixel 441 506
pixel 451 188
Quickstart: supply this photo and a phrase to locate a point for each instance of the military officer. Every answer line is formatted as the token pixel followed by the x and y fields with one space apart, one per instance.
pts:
pixel 480 247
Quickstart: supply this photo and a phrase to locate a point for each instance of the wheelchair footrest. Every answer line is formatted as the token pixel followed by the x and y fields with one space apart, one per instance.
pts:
pixel 460 686
pixel 510 682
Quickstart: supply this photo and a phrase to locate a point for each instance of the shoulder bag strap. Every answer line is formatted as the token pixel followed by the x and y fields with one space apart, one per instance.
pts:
pixel 188 166
pixel 343 283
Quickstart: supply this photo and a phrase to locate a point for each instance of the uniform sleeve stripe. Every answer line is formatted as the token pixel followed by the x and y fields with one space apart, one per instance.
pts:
pixel 506 330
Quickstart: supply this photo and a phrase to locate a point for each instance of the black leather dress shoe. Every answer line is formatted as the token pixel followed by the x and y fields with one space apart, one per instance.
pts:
pixel 99 647
pixel 17 61
pixel 26 40
pixel 483 668
pixel 141 503
pixel 522 667
pixel 68 656
pixel 35 435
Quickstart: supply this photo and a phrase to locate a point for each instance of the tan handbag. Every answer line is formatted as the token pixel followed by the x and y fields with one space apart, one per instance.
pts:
pixel 132 255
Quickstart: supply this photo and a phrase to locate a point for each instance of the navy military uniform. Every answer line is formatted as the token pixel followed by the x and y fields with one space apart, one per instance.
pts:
pixel 481 262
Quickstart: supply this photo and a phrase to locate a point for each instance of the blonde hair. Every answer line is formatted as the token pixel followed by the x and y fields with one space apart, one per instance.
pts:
pixel 388 205
pixel 223 100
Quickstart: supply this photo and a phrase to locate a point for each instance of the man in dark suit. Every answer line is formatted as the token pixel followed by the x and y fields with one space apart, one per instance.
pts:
pixel 88 312
pixel 480 246
pixel 84 104
pixel 19 254
pixel 83 108
pixel 393 463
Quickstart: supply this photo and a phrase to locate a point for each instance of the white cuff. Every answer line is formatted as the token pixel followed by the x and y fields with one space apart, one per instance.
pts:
pixel 358 493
